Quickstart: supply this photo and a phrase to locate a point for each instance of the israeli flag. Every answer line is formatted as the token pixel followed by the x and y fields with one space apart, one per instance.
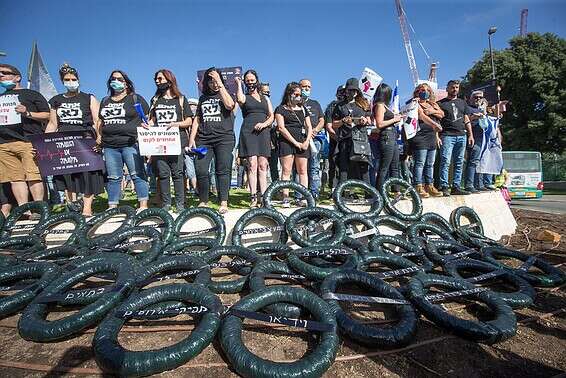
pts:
pixel 38 77
pixel 395 109
pixel 491 156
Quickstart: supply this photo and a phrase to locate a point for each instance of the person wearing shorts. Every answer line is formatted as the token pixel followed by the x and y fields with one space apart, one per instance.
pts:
pixel 22 113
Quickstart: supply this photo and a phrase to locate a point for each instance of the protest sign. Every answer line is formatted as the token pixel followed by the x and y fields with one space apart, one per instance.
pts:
pixel 411 120
pixel 8 114
pixel 159 141
pixel 228 74
pixel 66 152
pixel 369 81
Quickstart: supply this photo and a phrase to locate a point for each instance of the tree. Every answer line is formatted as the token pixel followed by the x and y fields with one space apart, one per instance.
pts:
pixel 532 74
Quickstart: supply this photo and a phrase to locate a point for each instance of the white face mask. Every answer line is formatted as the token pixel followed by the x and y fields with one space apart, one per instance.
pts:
pixel 72 86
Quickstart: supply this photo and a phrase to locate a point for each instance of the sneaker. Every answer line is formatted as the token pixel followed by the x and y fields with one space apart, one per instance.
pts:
pixel 482 189
pixel 456 190
pixel 490 187
pixel 471 190
pixel 445 191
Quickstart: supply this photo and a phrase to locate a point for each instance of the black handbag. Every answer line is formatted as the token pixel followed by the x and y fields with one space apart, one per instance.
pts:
pixel 361 151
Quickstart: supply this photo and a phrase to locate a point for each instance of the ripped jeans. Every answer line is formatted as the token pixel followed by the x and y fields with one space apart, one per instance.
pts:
pixel 115 158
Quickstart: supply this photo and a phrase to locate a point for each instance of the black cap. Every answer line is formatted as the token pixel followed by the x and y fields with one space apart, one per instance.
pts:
pixel 352 83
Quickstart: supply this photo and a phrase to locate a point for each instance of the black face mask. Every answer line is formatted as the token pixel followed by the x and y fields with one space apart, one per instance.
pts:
pixel 251 86
pixel 162 87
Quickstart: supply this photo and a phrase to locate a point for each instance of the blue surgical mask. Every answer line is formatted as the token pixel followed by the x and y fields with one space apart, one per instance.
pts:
pixel 424 95
pixel 305 93
pixel 7 84
pixel 72 86
pixel 118 86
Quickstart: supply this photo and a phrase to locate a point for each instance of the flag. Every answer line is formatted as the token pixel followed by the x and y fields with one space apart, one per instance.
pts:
pixel 411 122
pixel 491 156
pixel 398 125
pixel 38 77
pixel 368 83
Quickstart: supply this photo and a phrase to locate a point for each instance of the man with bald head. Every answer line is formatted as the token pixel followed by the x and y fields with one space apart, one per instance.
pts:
pixel 317 122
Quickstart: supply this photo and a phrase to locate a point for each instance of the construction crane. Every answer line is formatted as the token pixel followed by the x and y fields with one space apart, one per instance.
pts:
pixel 524 14
pixel 407 42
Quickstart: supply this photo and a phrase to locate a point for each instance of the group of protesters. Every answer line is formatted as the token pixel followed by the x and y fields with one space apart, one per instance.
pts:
pixel 353 138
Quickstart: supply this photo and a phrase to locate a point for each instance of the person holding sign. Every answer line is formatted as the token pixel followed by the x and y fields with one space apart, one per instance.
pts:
pixel 426 141
pixel 213 128
pixel 295 132
pixel 385 121
pixel 117 126
pixel 22 113
pixel 75 110
pixel 255 143
pixel 169 108
pixel 350 120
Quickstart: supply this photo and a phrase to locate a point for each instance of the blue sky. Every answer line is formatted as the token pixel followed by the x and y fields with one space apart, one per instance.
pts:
pixel 327 41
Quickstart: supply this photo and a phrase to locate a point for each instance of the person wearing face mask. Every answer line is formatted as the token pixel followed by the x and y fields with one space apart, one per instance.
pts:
pixel 117 126
pixel 425 143
pixel 317 122
pixel 213 128
pixel 75 110
pixel 274 153
pixel 254 141
pixel 351 116
pixel 340 96
pixel 23 112
pixel 190 172
pixel 169 108
pixel 295 131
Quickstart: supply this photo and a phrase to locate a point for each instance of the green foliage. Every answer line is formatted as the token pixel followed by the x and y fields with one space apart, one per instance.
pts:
pixel 532 74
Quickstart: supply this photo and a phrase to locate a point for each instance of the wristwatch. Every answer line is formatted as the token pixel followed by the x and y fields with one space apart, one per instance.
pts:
pixel 28 114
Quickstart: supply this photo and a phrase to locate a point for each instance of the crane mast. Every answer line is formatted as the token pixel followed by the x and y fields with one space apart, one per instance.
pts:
pixel 407 43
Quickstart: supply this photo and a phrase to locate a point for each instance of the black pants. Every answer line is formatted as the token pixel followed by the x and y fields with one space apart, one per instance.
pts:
pixel 332 163
pixel 222 153
pixel 166 168
pixel 389 157
pixel 349 169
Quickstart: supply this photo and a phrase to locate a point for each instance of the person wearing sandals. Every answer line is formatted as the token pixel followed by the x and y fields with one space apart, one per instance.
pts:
pixel 213 128
pixel 169 108
pixel 295 133
pixel 255 141
pixel 117 126
pixel 425 143
pixel 75 110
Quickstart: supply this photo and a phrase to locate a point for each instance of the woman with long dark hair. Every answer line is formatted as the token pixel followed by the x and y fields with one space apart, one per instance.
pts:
pixel 254 142
pixel 425 143
pixel 117 133
pixel 385 121
pixel 169 108
pixel 213 128
pixel 76 110
pixel 294 126
pixel 350 119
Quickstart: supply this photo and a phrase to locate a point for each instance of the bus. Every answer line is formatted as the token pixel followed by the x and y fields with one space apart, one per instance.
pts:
pixel 525 173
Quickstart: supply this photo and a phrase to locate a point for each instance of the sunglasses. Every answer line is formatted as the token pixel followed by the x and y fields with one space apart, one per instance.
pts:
pixel 119 79
pixel 266 93
pixel 6 73
pixel 66 70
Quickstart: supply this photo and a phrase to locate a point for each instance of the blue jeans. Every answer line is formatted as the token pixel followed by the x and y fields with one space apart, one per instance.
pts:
pixel 423 165
pixel 115 158
pixel 473 178
pixel 190 167
pixel 374 163
pixel 314 169
pixel 452 149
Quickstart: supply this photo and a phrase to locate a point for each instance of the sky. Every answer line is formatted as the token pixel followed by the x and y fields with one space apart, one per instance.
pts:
pixel 326 41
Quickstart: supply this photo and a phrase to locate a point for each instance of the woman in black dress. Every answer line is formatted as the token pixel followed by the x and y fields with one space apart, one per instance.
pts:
pixel 76 111
pixel 255 143
pixel 294 126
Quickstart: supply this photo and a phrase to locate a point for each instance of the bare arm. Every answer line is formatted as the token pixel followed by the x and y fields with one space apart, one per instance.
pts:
pixel 52 125
pixel 426 119
pixel 435 111
pixel 227 100
pixel 319 126
pixel 270 117
pixel 194 131
pixel 468 125
pixel 240 96
pixel 379 115
pixel 94 109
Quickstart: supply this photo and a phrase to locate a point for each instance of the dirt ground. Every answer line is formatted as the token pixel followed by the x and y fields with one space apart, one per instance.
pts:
pixel 538 349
